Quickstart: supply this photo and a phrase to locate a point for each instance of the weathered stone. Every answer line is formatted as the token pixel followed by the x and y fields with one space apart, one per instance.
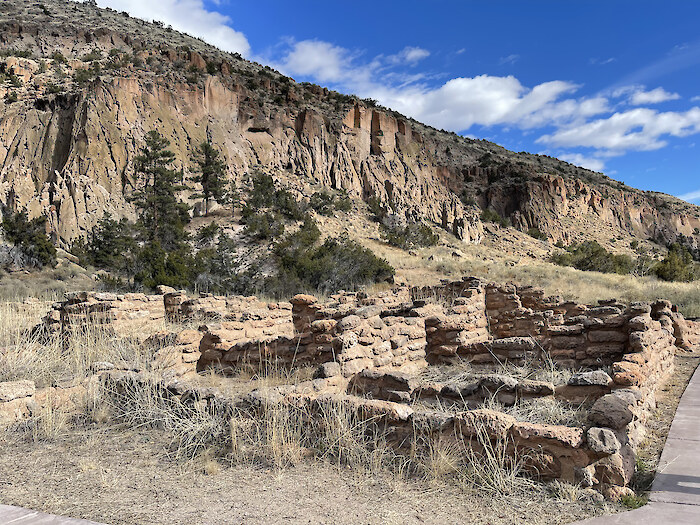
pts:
pixel 348 323
pixel 553 434
pixel 613 410
pixel 484 422
pixel 11 390
pixel 591 378
pixel 497 382
pixel 326 370
pixel 602 441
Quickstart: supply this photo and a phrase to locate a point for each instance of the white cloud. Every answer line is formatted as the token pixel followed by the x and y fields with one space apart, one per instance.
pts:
pixel 691 196
pixel 510 59
pixel 410 55
pixel 583 161
pixel 457 104
pixel 321 60
pixel 695 99
pixel 639 129
pixel 637 96
pixel 188 16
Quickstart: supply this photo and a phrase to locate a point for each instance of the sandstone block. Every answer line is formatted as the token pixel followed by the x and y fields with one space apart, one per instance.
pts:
pixel 11 390
pixel 483 422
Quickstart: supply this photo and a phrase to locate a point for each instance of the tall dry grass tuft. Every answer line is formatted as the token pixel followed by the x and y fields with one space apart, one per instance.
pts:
pixel 484 462
pixel 544 410
pixel 194 427
pixel 50 358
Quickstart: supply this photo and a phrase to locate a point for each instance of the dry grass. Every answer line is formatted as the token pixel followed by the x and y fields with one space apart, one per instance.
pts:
pixel 283 435
pixel 97 472
pixel 545 411
pixel 47 361
pixel 571 284
pixel 492 465
pixel 54 358
pixel 460 371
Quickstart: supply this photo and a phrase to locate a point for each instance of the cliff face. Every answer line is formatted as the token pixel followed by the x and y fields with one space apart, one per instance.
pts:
pixel 67 146
pixel 71 158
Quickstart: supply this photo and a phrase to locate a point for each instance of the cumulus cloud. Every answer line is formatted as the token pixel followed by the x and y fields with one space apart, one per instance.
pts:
pixel 639 129
pixel 583 161
pixel 654 96
pixel 457 104
pixel 637 96
pixel 188 16
pixel 321 60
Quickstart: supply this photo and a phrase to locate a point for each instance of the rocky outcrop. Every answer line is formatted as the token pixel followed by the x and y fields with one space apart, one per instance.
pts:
pixel 67 151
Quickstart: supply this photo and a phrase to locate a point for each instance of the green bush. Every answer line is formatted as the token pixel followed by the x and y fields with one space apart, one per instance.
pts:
pixel 81 76
pixel 156 266
pixel 322 203
pixel 376 209
pixel 264 225
pixel 207 234
pixel 537 234
pixel 58 57
pixel 327 203
pixel 11 97
pixel 490 215
pixel 415 235
pixel 93 55
pixel 338 263
pixel 109 245
pixel 264 195
pixel 29 237
pixel 677 265
pixel 591 256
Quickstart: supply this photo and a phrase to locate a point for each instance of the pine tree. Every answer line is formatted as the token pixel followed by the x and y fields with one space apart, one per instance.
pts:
pixel 211 174
pixel 29 238
pixel 162 216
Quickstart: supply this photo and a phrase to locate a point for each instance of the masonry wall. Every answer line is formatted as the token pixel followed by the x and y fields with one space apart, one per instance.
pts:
pixel 116 311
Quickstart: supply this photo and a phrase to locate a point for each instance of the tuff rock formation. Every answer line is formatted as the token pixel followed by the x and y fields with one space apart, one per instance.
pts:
pixel 91 82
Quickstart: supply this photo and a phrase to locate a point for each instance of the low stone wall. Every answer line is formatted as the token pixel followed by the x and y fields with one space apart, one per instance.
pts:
pixel 107 309
pixel 459 329
pixel 254 318
pixel 20 400
pixel 345 331
pixel 370 352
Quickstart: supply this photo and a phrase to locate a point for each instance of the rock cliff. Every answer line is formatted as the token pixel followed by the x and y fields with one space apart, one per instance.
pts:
pixel 91 82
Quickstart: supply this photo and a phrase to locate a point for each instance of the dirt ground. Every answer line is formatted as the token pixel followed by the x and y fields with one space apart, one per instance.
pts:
pixel 118 476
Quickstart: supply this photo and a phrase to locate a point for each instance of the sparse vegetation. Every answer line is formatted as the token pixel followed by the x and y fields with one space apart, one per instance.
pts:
pixel 591 256
pixel 31 245
pixel 490 215
pixel 414 235
pixel 536 234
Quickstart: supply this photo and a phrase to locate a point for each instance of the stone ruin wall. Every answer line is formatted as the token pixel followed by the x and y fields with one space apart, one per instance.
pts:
pixel 116 311
pixel 370 351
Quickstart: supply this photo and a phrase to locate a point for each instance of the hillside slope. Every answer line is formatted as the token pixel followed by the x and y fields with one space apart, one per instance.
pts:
pixel 91 82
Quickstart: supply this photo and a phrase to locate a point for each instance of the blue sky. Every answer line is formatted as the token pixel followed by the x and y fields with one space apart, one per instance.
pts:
pixel 609 85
